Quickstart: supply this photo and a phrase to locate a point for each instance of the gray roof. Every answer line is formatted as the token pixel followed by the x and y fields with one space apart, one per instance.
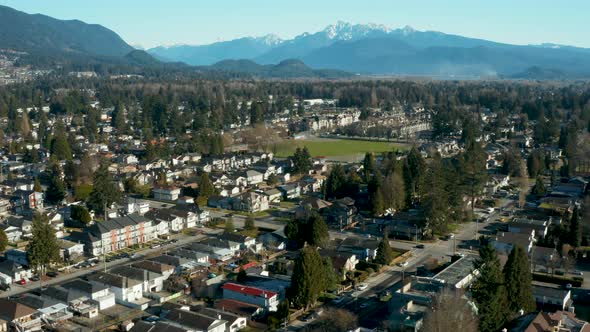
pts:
pixel 116 223
pixel 83 286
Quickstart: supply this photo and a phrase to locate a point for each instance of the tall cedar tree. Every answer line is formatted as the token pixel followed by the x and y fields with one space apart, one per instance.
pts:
pixel 517 278
pixel 489 291
pixel 56 191
pixel 435 199
pixel 308 281
pixel 43 249
pixel 575 233
pixel 3 240
pixel 206 189
pixel 60 147
pixel 104 190
pixel 393 192
pixel 335 183
pixel 301 161
pixel 473 170
pixel 318 231
pixel 414 168
pixel 384 252
pixel 249 224
pixel 539 189
pixel 229 225
pixel 368 166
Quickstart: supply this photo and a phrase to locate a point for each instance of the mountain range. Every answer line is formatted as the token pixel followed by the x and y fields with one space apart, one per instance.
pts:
pixel 376 49
pixel 333 52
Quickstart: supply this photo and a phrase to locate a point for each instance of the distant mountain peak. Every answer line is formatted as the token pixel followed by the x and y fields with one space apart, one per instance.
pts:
pixel 271 39
pixel 407 30
pixel 342 30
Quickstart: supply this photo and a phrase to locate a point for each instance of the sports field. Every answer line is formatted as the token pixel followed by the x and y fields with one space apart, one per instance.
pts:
pixel 336 147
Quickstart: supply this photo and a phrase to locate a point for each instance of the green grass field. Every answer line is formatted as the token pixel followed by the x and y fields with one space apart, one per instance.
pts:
pixel 335 147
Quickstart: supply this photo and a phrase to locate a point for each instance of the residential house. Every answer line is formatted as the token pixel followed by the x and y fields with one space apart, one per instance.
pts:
pixel 24 225
pixel 290 190
pixel 560 321
pixel 254 177
pixel 166 192
pixel 550 297
pixel 12 272
pixel 341 213
pixel 70 251
pixel 266 299
pixel 99 293
pixel 239 308
pixel 194 321
pixel 19 317
pixel 48 310
pixel 234 322
pixel 27 201
pixel 343 262
pixel 118 233
pixel 505 242
pixel 251 202
pixel 127 290
pixel 18 256
pixel 164 269
pixel 14 234
pixel 544 259
pixel 274 195
pixel 152 281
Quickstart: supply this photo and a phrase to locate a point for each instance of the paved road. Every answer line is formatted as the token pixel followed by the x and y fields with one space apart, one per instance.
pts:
pixel 76 273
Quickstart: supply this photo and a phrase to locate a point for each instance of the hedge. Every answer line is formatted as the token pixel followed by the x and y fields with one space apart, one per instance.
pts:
pixel 555 279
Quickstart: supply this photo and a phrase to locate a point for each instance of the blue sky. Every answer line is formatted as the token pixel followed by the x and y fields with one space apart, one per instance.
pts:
pixel 151 22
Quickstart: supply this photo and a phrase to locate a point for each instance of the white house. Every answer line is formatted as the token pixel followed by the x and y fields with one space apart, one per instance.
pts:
pixel 260 297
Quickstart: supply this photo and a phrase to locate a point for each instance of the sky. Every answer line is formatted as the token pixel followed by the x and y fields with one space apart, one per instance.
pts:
pixel 150 23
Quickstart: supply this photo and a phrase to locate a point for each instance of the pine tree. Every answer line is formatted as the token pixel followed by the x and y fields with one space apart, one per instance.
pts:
pixel 335 182
pixel 56 191
pixel 489 291
pixel 104 191
pixel 539 189
pixel 249 224
pixel 517 278
pixel 473 170
pixel 414 169
pixel 43 249
pixel 318 234
pixel 384 252
pixel 368 166
pixel 206 189
pixel 3 240
pixel 575 234
pixel 60 147
pixel 307 281
pixel 229 225
pixel 37 186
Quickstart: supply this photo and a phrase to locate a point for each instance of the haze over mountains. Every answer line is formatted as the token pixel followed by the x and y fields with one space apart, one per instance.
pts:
pixel 376 49
pixel 339 48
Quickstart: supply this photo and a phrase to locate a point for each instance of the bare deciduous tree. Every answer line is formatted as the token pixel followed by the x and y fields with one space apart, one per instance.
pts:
pixel 450 312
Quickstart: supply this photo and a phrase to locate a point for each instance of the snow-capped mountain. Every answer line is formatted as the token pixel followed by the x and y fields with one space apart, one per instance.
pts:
pixel 377 49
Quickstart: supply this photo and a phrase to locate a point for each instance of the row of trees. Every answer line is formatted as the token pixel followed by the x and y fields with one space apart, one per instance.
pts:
pixel 500 294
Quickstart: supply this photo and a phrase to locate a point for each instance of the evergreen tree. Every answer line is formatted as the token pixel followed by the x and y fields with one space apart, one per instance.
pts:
pixel 335 182
pixel 60 147
pixel 575 233
pixel 489 292
pixel 249 224
pixel 43 249
pixel 384 252
pixel 56 191
pixel 318 231
pixel 104 190
pixel 473 170
pixel 435 200
pixel 414 169
pixel 229 225
pixel 377 203
pixel 539 189
pixel 37 186
pixel 81 214
pixel 307 281
pixel 393 192
pixel 368 166
pixel 3 240
pixel 301 161
pixel 242 275
pixel 517 278
pixel 206 189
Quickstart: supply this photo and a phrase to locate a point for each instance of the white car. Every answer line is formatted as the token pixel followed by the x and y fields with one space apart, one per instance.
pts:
pixel 362 287
pixel 402 264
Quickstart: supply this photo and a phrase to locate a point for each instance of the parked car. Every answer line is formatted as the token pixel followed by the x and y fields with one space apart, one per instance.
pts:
pixel 22 282
pixel 52 274
pixel 402 264
pixel 4 287
pixel 34 278
pixel 420 246
pixel 364 305
pixel 362 287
